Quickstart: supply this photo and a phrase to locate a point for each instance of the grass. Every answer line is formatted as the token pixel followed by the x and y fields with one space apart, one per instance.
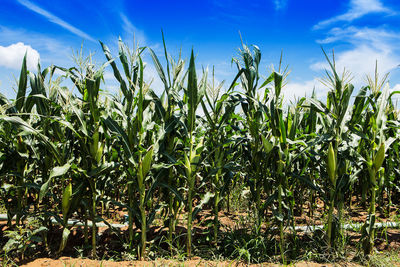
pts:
pixel 2 207
pixel 382 259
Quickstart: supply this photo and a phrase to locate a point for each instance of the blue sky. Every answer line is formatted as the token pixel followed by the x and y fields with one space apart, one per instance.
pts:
pixel 360 31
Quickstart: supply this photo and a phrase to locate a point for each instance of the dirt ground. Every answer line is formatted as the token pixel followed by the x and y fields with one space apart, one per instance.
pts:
pixel 64 261
pixel 386 241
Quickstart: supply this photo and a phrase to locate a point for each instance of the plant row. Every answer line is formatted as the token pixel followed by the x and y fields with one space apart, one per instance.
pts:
pixel 72 154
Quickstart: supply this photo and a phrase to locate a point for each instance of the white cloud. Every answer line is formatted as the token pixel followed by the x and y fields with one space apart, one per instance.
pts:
pixel 396 87
pixel 356 10
pixel 56 20
pixel 368 45
pixel 295 90
pixel 112 88
pixel 12 56
pixel 13 45
pixel 363 46
pixel 151 76
pixel 396 97
pixel 51 50
pixel 108 75
pixel 361 60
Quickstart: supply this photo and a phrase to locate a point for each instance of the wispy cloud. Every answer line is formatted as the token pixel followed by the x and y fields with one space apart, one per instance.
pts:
pixel 56 20
pixel 378 36
pixel 280 4
pixel 356 10
pixel 131 30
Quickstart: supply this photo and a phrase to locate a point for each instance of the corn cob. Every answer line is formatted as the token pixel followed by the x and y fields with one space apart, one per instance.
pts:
pixel 331 163
pixel 66 199
pixel 379 157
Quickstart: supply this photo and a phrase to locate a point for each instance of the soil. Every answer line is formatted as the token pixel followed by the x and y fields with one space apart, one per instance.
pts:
pixel 65 261
pixel 111 241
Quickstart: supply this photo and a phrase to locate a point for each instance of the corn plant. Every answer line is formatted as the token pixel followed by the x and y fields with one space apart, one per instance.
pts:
pixel 247 66
pixel 92 130
pixel 170 118
pixel 373 149
pixel 76 151
pixel 220 145
pixel 135 135
pixel 194 145
pixel 335 117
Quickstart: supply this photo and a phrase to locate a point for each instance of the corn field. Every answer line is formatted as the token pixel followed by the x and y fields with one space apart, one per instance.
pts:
pixel 175 163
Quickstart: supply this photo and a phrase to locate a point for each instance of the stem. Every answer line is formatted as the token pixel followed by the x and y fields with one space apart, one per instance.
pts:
pixel 281 241
pixel 364 193
pixel 102 205
pixel 258 202
pixel 351 199
pixel 130 214
pixel 330 216
pixel 216 221
pixel 389 196
pixel 292 219
pixel 218 159
pixel 332 194
pixel 191 179
pixel 189 222
pixel 171 226
pixel 86 230
pixel 20 181
pixel 142 197
pixel 228 204
pixel 94 230
pixel 143 215
pixel 371 236
pixel 171 217
pixel 340 216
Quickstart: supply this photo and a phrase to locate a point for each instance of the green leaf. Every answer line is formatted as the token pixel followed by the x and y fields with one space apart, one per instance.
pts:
pixel 159 69
pixel 117 74
pixel 106 167
pixel 268 146
pixel 278 78
pixel 55 172
pixel 59 170
pixel 23 79
pixel 382 103
pixel 205 199
pixel 268 80
pixel 282 128
pixel 10 245
pixel 173 190
pixel 147 160
pixel 64 239
pixel 17 121
pixel 192 94
pixel 81 118
pixel 309 183
pixel 113 126
pixel 123 57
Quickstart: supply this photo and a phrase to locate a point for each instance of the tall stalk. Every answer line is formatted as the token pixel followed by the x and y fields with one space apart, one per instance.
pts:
pixel 193 96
